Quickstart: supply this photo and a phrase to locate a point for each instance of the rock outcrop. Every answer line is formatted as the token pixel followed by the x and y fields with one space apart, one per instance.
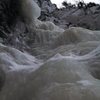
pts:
pixel 71 16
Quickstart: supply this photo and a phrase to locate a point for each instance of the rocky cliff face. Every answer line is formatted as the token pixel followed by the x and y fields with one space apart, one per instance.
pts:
pixel 47 9
pixel 70 16
pixel 46 5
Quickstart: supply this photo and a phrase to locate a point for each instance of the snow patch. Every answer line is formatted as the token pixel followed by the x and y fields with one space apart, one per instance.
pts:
pixel 84 82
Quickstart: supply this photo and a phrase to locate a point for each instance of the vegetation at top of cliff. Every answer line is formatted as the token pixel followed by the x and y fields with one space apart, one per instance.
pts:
pixel 79 4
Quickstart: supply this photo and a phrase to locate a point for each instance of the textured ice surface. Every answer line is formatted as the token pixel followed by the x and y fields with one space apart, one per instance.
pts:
pixel 13 59
pixel 63 70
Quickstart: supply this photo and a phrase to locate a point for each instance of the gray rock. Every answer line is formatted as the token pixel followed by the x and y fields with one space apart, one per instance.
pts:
pixel 2 78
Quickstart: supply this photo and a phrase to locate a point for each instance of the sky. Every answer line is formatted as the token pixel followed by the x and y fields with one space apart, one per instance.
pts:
pixel 59 2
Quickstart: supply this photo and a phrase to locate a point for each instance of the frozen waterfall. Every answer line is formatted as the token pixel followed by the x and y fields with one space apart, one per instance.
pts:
pixel 61 64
